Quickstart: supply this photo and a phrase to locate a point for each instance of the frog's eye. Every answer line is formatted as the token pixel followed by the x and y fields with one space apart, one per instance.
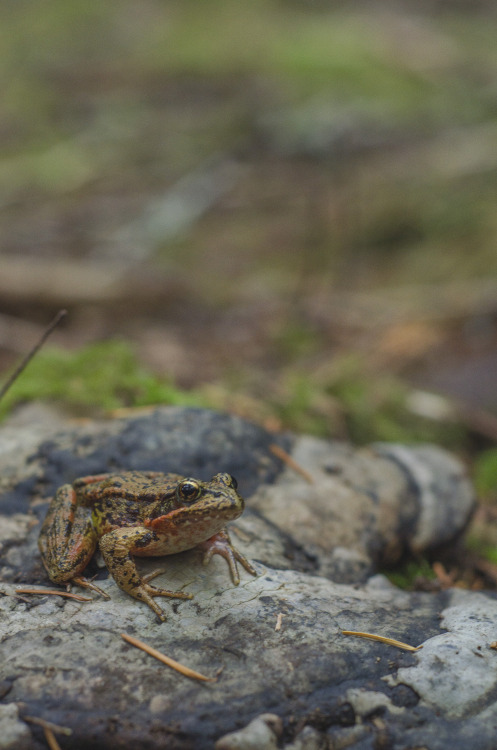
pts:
pixel 188 490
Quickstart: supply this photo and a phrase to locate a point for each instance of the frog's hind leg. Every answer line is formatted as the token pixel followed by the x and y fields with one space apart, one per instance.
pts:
pixel 67 538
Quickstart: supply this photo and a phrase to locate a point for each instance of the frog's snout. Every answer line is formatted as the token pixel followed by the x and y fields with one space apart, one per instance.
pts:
pixel 224 478
pixel 230 505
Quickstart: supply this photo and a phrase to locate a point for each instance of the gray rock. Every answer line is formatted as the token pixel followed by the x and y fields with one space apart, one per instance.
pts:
pixel 277 638
pixel 308 739
pixel 365 507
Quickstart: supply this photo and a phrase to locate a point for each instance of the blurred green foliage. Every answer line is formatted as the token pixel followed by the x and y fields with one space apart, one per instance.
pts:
pixel 348 403
pixel 407 575
pixel 306 47
pixel 101 376
pixel 363 406
pixel 86 99
pixel 485 474
pixel 488 552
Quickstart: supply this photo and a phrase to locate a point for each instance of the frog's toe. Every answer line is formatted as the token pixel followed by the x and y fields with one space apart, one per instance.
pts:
pixel 150 576
pixel 154 591
pixel 220 544
pixel 243 560
pixel 86 584
pixel 143 596
pixel 146 593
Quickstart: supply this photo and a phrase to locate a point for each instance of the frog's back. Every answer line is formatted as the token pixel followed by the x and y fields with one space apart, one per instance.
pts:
pixel 143 488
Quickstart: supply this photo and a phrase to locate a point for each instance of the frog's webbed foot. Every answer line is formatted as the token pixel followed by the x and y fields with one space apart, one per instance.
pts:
pixel 160 572
pixel 154 574
pixel 86 584
pixel 146 593
pixel 220 544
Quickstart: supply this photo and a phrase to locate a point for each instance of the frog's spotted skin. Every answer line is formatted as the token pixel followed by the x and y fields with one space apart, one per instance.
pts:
pixel 138 514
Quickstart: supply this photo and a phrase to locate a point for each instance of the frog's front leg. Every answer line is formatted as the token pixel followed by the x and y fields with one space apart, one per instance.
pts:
pixel 220 544
pixel 117 547
pixel 67 539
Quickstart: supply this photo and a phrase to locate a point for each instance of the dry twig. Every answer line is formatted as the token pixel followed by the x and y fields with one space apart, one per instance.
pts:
pixel 50 738
pixel 166 659
pixel 289 461
pixel 49 730
pixel 55 592
pixel 29 356
pixel 382 639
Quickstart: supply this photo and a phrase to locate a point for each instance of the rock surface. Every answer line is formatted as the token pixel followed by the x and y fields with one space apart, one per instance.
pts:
pixel 277 638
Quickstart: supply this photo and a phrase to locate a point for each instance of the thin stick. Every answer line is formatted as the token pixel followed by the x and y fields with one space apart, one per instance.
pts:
pixel 166 660
pixel 289 461
pixel 48 724
pixel 382 639
pixel 48 730
pixel 29 356
pixel 50 738
pixel 54 592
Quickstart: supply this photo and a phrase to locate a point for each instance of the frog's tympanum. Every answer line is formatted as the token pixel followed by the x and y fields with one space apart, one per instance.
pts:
pixel 138 514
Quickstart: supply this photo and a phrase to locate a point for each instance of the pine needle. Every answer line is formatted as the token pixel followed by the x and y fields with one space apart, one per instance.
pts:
pixel 382 639
pixel 48 730
pixel 55 592
pixel 289 461
pixel 166 659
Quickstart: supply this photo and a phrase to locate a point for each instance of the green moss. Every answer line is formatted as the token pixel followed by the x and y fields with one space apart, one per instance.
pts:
pixel 305 48
pixel 407 575
pixel 485 473
pixel 359 405
pixel 300 408
pixel 296 339
pixel 481 542
pixel 490 554
pixel 102 376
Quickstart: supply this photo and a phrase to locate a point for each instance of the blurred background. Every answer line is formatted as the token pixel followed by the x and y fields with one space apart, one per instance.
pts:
pixel 284 208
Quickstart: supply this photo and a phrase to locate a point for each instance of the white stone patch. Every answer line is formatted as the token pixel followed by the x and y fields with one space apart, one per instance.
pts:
pixel 365 702
pixel 456 670
pixel 261 734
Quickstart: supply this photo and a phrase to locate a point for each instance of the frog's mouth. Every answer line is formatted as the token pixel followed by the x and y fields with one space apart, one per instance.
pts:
pixel 207 517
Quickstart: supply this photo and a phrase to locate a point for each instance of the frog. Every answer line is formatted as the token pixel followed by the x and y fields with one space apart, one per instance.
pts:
pixel 139 514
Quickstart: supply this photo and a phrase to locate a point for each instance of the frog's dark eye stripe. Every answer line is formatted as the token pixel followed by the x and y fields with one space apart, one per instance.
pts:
pixel 233 481
pixel 188 490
